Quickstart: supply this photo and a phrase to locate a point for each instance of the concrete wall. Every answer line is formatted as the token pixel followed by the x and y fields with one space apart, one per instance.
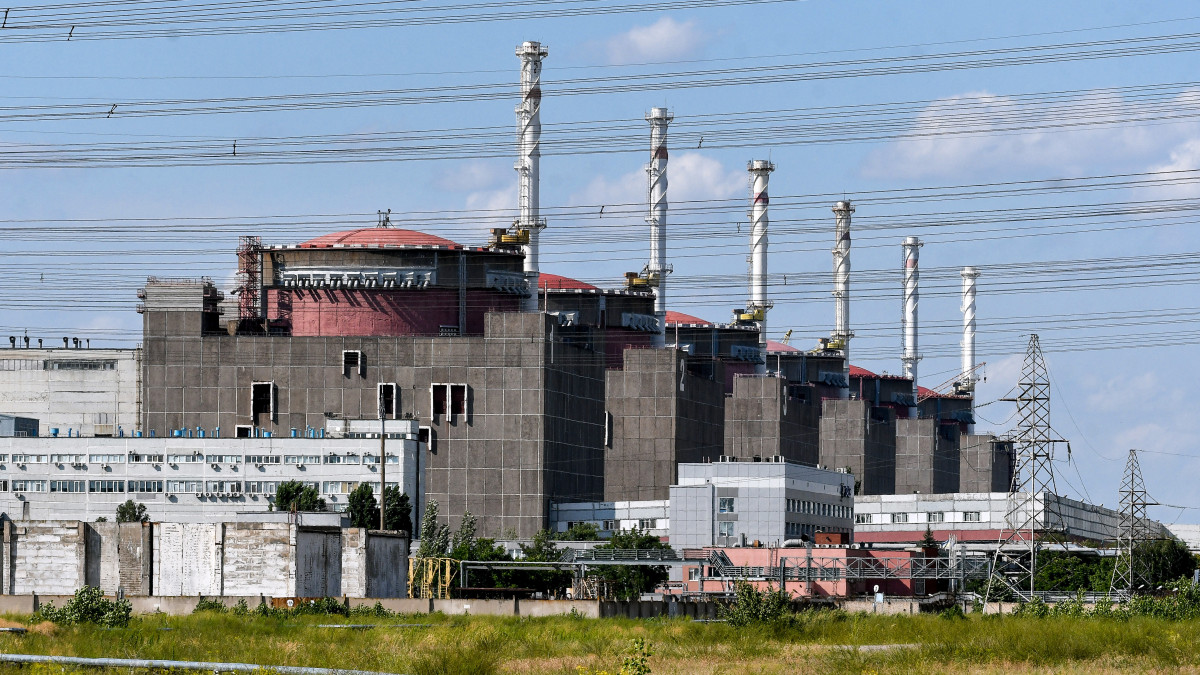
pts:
pixel 44 557
pixel 927 456
pixel 82 390
pixel 764 418
pixel 119 557
pixel 986 464
pixel 856 435
pixel 187 560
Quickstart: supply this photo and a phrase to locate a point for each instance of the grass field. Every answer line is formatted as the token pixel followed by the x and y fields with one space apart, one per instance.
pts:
pixel 817 642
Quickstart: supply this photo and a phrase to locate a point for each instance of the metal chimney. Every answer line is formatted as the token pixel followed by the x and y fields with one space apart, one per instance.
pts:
pixel 760 175
pixel 529 137
pixel 967 383
pixel 657 269
pixel 841 288
pixel 912 250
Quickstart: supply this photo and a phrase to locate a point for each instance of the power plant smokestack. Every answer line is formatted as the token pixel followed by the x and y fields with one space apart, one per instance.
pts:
pixel 967 383
pixel 529 138
pixel 760 175
pixel 657 269
pixel 841 287
pixel 912 251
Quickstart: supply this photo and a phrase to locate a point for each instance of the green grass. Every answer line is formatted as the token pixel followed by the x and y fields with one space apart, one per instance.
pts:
pixel 560 645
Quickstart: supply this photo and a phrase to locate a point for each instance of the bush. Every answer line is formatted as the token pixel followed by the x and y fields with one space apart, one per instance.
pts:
pixel 752 606
pixel 132 512
pixel 88 606
pixel 206 605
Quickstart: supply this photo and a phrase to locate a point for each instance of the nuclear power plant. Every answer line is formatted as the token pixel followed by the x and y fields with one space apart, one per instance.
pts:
pixel 514 393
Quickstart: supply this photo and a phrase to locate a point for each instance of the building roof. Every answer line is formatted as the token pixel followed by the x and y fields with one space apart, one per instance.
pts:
pixel 372 237
pixel 855 371
pixel 558 282
pixel 773 346
pixel 686 319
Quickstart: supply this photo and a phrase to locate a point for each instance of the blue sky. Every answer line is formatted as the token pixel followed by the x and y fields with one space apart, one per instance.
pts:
pixel 67 280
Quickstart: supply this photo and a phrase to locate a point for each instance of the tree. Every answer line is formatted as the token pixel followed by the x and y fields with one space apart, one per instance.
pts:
pixel 132 512
pixel 1164 560
pixel 296 495
pixel 928 541
pixel 543 549
pixel 629 582
pixel 363 510
pixel 464 545
pixel 435 537
pixel 581 532
pixel 399 510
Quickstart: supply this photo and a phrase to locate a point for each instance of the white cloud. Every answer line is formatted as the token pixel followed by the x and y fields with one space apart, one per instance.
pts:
pixel 1184 157
pixel 992 143
pixel 663 39
pixel 691 176
pixel 503 199
pixel 475 175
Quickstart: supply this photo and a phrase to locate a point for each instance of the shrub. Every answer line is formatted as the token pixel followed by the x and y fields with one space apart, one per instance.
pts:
pixel 132 512
pixel 88 606
pixel 752 606
pixel 206 605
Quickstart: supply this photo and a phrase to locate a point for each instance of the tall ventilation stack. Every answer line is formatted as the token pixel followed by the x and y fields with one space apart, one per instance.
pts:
pixel 841 288
pixel 966 385
pixel 912 251
pixel 529 138
pixel 657 269
pixel 760 175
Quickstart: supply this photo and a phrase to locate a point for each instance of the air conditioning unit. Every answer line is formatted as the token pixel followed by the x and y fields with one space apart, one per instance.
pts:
pixel 299 465
pixel 104 466
pixel 215 465
pixel 199 494
pixel 174 465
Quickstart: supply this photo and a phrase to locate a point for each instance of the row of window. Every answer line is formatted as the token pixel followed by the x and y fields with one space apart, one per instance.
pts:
pixel 195 458
pixel 819 509
pixel 932 517
pixel 251 487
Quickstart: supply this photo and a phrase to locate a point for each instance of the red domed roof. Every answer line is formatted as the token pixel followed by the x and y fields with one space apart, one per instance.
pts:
pixel 685 319
pixel 371 237
pixel 557 282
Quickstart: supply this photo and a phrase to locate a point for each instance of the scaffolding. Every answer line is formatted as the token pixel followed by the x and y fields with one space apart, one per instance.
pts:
pixel 430 577
pixel 250 271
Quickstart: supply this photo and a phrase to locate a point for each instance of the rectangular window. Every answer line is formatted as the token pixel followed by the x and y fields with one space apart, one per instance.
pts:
pixel 937 517
pixel 145 486
pixel 106 486
pixel 648 523
pixel 66 459
pixel 725 529
pixel 352 362
pixel 458 399
pixel 301 459
pixel 223 459
pixel 862 519
pixel 725 505
pixel 338 487
pixel 29 459
pixel 106 459
pixel 137 458
pixel 608 429
pixel 610 525
pixel 899 517
pixel 262 459
pixel 971 517
pixel 262 402
pixel 243 431
pixel 693 573
pixel 387 400
pixel 261 487
pixel 223 486
pixel 29 486
pixel 438 394
pixel 80 365
pixel 66 486
pixel 185 486
pixel 184 458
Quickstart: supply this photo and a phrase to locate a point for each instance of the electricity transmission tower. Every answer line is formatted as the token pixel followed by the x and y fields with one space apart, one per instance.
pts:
pixel 1128 572
pixel 1033 509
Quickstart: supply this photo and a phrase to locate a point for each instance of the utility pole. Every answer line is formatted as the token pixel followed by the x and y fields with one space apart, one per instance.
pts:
pixel 382 467
pixel 1032 506
pixel 1128 574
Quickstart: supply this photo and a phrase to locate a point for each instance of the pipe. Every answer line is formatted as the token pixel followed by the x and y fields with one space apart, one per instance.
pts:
pixel 529 139
pixel 967 384
pixel 912 253
pixel 658 118
pixel 159 664
pixel 841 287
pixel 760 175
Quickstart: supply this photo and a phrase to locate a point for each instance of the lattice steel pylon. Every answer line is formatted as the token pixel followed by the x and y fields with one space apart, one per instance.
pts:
pixel 1032 511
pixel 1128 573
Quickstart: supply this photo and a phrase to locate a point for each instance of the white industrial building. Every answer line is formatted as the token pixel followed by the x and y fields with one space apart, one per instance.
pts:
pixel 729 503
pixel 194 479
pixel 78 392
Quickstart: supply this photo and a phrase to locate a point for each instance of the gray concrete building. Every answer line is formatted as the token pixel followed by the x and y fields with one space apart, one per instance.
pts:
pixel 652 516
pixel 78 391
pixel 861 439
